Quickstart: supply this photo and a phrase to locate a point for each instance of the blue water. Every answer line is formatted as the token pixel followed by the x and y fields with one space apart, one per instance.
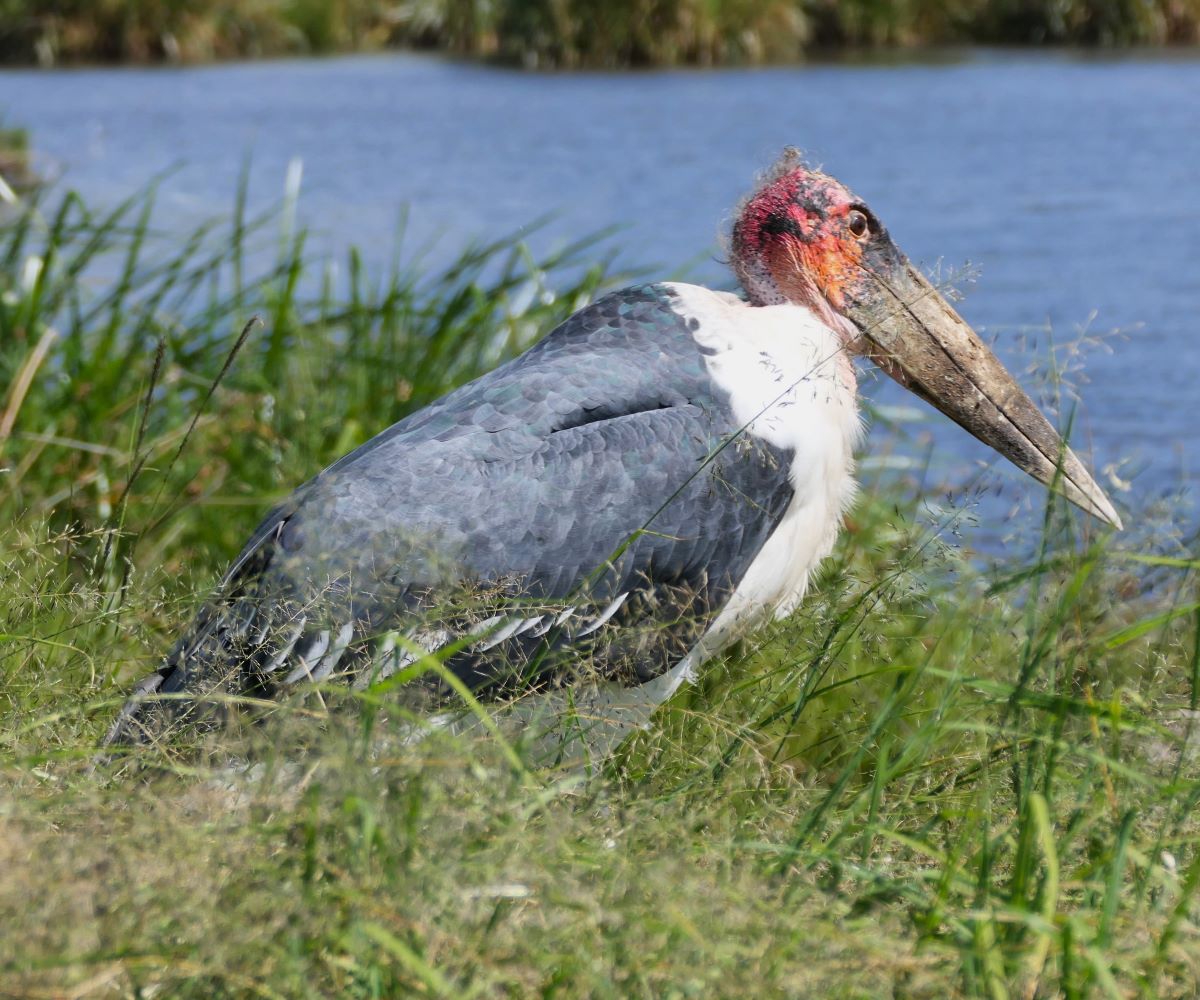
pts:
pixel 1069 187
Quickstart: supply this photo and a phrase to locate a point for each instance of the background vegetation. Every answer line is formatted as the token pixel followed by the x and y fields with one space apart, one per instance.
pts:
pixel 567 33
pixel 940 778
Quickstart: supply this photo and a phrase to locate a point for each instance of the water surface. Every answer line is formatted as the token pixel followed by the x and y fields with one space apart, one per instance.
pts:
pixel 1069 187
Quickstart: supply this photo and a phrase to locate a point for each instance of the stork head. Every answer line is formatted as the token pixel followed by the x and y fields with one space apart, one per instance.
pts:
pixel 802 237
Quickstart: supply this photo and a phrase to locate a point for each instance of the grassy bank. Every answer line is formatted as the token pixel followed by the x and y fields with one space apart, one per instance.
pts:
pixel 936 780
pixel 568 33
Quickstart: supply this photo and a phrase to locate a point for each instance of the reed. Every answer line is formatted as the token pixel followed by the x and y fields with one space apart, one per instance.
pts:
pixel 945 776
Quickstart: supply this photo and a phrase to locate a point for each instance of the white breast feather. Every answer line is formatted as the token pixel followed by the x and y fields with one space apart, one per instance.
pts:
pixel 791 384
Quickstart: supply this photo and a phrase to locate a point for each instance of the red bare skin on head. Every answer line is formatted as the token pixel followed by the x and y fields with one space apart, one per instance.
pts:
pixel 794 229
pixel 773 201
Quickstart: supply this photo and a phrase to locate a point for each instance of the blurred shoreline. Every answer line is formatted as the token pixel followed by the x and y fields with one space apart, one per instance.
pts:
pixel 577 34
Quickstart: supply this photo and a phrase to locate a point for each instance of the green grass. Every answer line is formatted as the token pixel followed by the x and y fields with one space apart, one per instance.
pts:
pixel 937 779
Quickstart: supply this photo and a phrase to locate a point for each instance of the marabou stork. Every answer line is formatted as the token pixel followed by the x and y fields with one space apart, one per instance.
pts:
pixel 660 473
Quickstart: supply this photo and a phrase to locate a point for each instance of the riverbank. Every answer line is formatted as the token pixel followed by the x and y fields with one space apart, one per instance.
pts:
pixel 937 778
pixel 568 33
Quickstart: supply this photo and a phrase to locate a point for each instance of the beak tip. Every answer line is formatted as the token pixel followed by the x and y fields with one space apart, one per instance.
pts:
pixel 1082 490
pixel 1097 504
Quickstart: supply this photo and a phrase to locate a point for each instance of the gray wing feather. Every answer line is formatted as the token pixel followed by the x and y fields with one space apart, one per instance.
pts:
pixel 595 465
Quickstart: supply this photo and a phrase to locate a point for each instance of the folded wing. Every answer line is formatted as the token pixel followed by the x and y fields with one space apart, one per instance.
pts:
pixel 589 506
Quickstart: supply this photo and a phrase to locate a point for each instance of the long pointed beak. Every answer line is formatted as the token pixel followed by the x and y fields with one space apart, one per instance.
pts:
pixel 919 339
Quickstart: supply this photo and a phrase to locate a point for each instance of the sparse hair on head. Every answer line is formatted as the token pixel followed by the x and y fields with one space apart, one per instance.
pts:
pixel 790 159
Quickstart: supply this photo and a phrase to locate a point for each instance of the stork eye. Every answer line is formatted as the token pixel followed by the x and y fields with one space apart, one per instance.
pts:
pixel 859 225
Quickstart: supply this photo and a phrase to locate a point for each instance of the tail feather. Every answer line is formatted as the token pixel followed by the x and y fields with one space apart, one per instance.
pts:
pixel 245 644
pixel 221 655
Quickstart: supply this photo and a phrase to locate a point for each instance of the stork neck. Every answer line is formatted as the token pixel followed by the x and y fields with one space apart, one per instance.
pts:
pixel 763 290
